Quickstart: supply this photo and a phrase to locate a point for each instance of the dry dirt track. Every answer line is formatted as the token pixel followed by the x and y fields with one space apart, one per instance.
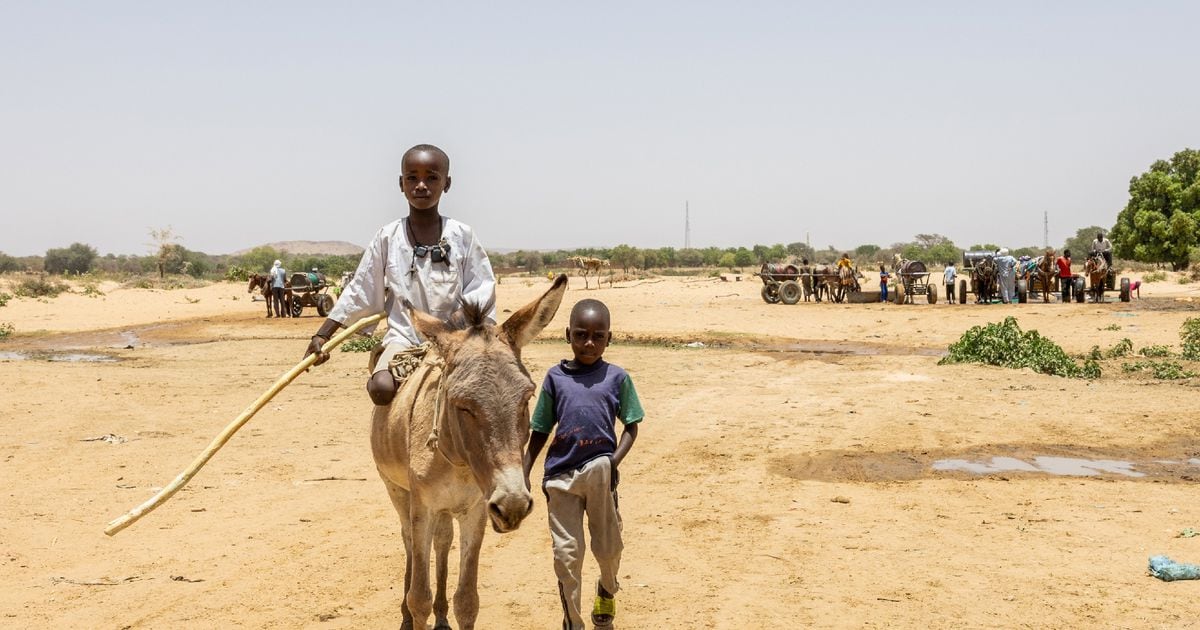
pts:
pixel 728 496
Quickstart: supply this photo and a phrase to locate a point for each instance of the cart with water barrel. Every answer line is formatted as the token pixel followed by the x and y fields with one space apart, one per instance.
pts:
pixel 912 279
pixel 311 289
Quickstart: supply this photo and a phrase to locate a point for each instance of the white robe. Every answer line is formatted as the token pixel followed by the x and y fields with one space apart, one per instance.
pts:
pixel 389 272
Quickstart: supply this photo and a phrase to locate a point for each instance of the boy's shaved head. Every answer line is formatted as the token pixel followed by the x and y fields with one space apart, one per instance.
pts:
pixel 428 148
pixel 590 308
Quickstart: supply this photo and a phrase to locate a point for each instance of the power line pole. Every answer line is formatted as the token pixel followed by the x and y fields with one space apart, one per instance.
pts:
pixel 687 226
pixel 1046 229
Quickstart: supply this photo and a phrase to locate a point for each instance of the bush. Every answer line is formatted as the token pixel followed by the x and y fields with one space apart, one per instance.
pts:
pixel 77 258
pixel 1155 351
pixel 1189 336
pixel 6 330
pixel 1163 370
pixel 1005 345
pixel 91 290
pixel 361 343
pixel 1154 276
pixel 4 298
pixel 40 287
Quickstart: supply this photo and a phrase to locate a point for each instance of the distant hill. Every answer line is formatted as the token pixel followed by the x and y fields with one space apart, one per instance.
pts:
pixel 324 248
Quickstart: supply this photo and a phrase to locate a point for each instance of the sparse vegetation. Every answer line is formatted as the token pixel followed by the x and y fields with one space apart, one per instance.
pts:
pixel 1154 276
pixel 39 287
pixel 1155 351
pixel 6 330
pixel 361 343
pixel 1189 337
pixel 1006 345
pixel 4 298
pixel 1163 370
pixel 1111 327
pixel 91 290
pixel 1121 349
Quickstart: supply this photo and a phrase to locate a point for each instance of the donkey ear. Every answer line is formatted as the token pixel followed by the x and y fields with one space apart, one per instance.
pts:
pixel 430 327
pixel 526 323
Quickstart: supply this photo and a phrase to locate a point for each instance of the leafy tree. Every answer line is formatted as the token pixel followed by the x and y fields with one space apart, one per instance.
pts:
pixel 77 258
pixel 651 258
pixel 761 253
pixel 712 256
pixel 800 250
pixel 728 260
pixel 986 247
pixel 625 257
pixel 1161 221
pixel 1032 252
pixel 866 252
pixel 1081 243
pixel 8 263
pixel 260 259
pixel 689 257
pixel 743 257
pixel 162 241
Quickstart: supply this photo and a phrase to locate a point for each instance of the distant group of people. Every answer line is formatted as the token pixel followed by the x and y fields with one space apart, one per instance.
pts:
pixel 1006 272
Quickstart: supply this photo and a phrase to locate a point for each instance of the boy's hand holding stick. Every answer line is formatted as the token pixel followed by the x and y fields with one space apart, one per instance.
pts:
pixel 180 481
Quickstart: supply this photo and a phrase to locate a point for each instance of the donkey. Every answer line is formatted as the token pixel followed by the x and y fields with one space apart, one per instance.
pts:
pixel 1097 270
pixel 984 278
pixel 451 446
pixel 263 284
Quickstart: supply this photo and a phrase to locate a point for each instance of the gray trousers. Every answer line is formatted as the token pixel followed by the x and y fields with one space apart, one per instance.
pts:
pixel 1008 291
pixel 568 497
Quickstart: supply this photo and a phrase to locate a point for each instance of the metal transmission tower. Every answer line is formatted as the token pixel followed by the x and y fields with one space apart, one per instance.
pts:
pixel 1046 229
pixel 687 226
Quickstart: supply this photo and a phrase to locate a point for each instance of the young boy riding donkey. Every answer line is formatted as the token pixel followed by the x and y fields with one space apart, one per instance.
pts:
pixel 450 444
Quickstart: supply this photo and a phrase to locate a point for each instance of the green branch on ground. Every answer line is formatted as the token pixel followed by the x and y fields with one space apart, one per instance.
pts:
pixel 1006 345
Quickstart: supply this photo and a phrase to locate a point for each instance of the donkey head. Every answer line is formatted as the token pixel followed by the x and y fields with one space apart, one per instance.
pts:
pixel 487 392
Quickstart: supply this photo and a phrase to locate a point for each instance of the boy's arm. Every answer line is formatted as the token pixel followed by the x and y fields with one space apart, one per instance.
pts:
pixel 537 441
pixel 363 295
pixel 627 438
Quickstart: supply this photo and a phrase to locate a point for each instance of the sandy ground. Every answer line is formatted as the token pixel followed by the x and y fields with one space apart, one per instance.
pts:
pixel 783 478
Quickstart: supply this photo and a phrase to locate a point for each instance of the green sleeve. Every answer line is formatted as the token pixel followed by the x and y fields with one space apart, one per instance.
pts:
pixel 543 413
pixel 630 410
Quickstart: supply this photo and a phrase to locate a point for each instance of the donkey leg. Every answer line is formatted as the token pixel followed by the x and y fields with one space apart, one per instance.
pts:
pixel 400 500
pixel 443 535
pixel 466 596
pixel 419 596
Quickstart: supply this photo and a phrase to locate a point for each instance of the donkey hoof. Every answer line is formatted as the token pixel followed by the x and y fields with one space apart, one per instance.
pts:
pixel 442 626
pixel 407 625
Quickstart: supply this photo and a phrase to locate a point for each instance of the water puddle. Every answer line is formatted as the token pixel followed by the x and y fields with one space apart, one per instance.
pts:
pixel 65 357
pixel 1065 466
pixel 1161 463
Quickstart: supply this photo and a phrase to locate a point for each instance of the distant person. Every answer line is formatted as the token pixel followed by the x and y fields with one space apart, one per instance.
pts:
pixel 883 282
pixel 1006 273
pixel 1104 247
pixel 948 277
pixel 1065 277
pixel 433 262
pixel 581 401
pixel 845 262
pixel 278 278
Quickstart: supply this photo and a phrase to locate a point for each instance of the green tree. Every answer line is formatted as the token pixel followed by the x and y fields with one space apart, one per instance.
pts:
pixel 800 250
pixel 1161 220
pixel 689 257
pixel 8 263
pixel 260 259
pixel 712 256
pixel 625 257
pixel 1081 243
pixel 728 260
pixel 651 258
pixel 743 257
pixel 866 252
pixel 77 258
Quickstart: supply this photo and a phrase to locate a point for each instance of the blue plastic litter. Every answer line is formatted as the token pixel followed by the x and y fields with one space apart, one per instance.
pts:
pixel 1168 570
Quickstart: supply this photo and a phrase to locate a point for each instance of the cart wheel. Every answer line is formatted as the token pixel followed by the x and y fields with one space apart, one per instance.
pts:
pixel 324 304
pixel 297 307
pixel 789 292
pixel 932 294
pixel 1080 296
pixel 962 291
pixel 898 293
pixel 1124 289
pixel 1022 292
pixel 770 293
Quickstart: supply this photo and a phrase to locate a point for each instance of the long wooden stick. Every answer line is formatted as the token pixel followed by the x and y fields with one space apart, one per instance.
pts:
pixel 180 481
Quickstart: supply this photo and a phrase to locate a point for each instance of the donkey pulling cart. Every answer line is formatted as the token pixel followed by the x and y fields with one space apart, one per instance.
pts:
pixel 912 278
pixel 311 289
pixel 788 283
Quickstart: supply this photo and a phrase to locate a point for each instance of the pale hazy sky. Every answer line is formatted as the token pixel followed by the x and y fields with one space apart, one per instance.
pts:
pixel 573 124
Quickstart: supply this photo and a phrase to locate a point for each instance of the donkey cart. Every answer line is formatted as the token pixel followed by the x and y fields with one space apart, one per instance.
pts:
pixel 912 278
pixel 311 289
pixel 781 283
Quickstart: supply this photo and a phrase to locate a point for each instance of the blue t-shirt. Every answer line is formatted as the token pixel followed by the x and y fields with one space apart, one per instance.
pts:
pixel 585 404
